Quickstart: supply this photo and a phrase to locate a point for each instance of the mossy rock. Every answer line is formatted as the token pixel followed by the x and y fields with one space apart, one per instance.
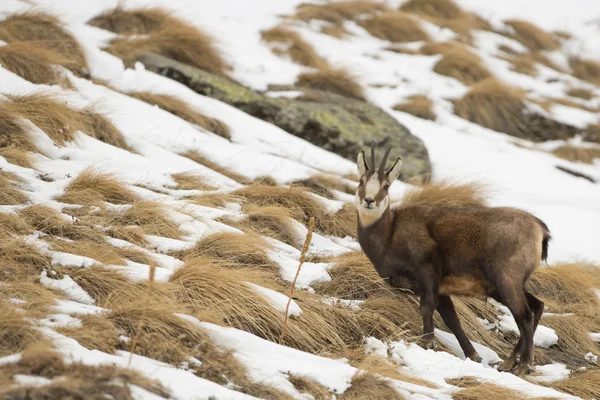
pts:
pixel 336 123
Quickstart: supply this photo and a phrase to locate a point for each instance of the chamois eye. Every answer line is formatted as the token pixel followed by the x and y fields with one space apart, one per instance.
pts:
pixel 386 187
pixel 361 182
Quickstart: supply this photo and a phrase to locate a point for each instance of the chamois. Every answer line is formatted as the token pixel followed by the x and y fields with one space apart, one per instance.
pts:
pixel 438 251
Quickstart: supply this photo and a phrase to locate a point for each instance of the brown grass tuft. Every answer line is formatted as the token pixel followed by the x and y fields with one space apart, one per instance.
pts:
pixel 463 65
pixel 573 337
pixel 215 167
pixel 308 386
pixel 13 138
pixel 419 106
pixel 51 222
pixel 384 367
pixel 524 64
pixel 131 234
pixel 60 122
pixel 96 333
pixel 9 192
pixel 585 384
pixel 15 155
pixel 74 380
pixel 446 194
pixel 191 181
pixel 370 387
pixel 394 26
pixel 501 107
pixel 148 215
pixel 45 31
pixel 106 286
pixel 338 12
pixel 332 80
pixel 93 187
pixel 322 185
pixel 445 9
pixel 233 250
pixel 12 223
pixel 162 33
pixel 99 251
pixel 299 201
pixel 215 199
pixel 21 261
pixel 487 391
pixel 290 43
pixel 581 93
pixel 16 333
pixel 184 111
pixel 31 61
pixel 587 70
pixel 431 48
pixel 532 36
pixel 580 154
pixel 272 221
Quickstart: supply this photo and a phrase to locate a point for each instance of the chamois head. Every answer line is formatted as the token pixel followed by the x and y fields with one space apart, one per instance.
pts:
pixel 372 198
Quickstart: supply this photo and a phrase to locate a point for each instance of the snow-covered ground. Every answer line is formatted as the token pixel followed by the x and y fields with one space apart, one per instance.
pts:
pixel 520 176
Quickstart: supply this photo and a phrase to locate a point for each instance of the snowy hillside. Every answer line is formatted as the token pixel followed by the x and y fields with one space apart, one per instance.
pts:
pixel 152 215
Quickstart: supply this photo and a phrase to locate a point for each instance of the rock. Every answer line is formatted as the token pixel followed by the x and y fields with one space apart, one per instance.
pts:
pixel 336 123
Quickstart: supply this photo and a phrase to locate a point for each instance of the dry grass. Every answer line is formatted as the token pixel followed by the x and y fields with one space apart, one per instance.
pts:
pixel 9 192
pixel 51 222
pixel 16 333
pixel 31 61
pixel 12 223
pixel 73 380
pixel 532 36
pixel 341 224
pixel 337 12
pixel 191 181
pixel 215 199
pixel 332 80
pixel 220 296
pixel 60 122
pixel 585 155
pixel 500 107
pixel 581 93
pixel 148 215
pixel 446 13
pixel 21 261
pixel 487 391
pixel 233 250
pixel 446 194
pixel 587 70
pixel 463 65
pixel 163 34
pixel 394 26
pixel 322 185
pixel 15 155
pixel 370 387
pixel 592 133
pixel 96 333
pixel 131 234
pixel 290 43
pixel 44 31
pixel 380 366
pixel 272 221
pixel 308 386
pixel 13 138
pixel 102 252
pixel 184 111
pixel 573 338
pixel 92 187
pixel 524 64
pixel 417 105
pixel 584 384
pixel 106 286
pixel 215 167
pixel 431 48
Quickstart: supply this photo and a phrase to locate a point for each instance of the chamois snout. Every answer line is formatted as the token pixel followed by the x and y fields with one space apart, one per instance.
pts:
pixel 372 198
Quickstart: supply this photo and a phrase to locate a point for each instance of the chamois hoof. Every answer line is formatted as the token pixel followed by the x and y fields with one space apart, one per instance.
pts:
pixel 523 369
pixel 508 365
pixel 475 357
pixel 429 344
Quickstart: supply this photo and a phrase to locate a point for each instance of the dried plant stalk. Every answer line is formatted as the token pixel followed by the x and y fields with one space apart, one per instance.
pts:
pixel 311 226
pixel 138 331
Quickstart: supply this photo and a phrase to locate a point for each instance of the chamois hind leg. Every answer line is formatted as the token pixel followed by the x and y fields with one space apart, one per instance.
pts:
pixel 428 303
pixel 446 309
pixel 515 299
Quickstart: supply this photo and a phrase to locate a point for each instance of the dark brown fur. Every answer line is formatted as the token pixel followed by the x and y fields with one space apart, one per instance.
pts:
pixel 479 251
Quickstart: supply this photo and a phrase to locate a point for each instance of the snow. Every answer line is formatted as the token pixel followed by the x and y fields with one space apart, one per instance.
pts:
pixel 31 381
pixel 551 372
pixel 543 337
pixel 74 307
pixel 68 286
pixel 448 339
pixel 278 300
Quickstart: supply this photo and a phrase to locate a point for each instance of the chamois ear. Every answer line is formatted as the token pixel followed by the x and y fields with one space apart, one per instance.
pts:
pixel 362 163
pixel 393 173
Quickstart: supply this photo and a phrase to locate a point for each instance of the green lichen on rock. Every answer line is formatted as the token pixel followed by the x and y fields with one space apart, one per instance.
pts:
pixel 336 123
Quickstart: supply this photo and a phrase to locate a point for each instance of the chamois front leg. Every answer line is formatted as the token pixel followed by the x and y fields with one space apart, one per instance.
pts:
pixel 429 286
